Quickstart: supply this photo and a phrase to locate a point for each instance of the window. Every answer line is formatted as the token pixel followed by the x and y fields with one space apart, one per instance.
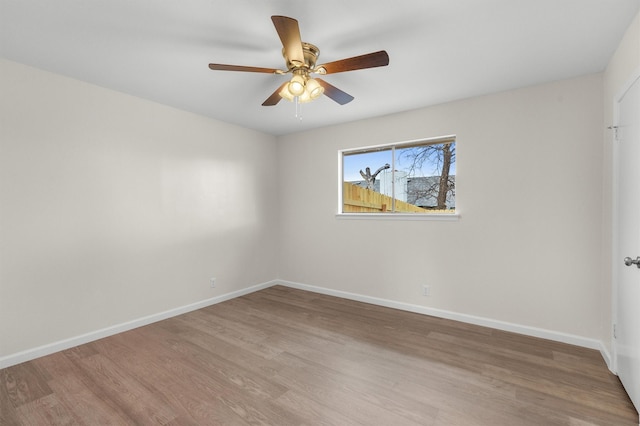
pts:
pixel 417 177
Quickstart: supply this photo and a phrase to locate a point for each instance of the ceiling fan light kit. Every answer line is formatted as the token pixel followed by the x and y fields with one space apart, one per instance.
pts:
pixel 303 87
pixel 300 59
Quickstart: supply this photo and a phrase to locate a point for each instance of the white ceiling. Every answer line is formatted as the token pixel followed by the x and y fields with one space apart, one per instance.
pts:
pixel 440 50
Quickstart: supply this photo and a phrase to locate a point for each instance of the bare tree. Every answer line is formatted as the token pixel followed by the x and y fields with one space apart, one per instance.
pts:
pixel 448 154
pixel 441 157
pixel 370 179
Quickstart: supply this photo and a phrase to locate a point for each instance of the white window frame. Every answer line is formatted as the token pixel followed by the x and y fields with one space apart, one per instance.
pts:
pixel 392 215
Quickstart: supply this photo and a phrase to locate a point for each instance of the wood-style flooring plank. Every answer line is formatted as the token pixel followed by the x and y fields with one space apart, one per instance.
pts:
pixel 282 356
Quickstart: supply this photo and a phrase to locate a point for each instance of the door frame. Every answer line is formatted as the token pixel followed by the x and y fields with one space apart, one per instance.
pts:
pixel 615 255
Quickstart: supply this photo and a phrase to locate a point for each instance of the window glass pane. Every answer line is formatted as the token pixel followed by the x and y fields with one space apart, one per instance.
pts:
pixel 425 176
pixel 418 177
pixel 361 188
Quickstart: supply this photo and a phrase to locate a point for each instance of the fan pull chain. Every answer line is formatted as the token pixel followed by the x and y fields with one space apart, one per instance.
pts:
pixel 298 107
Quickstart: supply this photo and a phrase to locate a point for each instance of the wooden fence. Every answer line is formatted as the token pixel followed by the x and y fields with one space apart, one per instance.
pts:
pixel 357 199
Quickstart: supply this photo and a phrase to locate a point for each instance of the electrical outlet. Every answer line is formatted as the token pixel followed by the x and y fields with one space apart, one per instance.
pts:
pixel 426 290
pixel 213 282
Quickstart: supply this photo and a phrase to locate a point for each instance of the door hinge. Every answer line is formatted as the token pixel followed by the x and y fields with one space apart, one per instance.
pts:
pixel 615 132
pixel 614 332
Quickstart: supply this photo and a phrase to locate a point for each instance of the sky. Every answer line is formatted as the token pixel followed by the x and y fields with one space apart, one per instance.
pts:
pixel 356 162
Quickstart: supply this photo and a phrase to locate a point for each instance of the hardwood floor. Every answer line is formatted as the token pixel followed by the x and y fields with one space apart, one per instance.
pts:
pixel 287 357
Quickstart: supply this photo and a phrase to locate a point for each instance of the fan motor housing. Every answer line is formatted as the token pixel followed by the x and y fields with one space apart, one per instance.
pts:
pixel 310 52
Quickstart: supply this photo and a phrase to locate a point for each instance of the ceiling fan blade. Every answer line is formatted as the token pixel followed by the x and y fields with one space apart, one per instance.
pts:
pixel 223 67
pixel 334 93
pixel 289 33
pixel 370 60
pixel 275 96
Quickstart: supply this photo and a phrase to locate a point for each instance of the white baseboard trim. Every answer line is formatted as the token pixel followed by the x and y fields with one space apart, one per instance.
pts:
pixel 470 319
pixel 29 354
pixel 606 355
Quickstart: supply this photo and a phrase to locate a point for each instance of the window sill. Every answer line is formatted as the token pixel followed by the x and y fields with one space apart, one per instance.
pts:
pixel 399 216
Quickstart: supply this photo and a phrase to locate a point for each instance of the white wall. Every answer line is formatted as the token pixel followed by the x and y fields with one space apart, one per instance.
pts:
pixel 527 249
pixel 113 208
pixel 624 65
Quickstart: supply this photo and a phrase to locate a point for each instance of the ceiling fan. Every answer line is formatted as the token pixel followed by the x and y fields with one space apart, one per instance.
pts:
pixel 300 59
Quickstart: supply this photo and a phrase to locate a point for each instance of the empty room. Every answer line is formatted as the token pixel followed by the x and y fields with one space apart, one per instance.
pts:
pixel 320 213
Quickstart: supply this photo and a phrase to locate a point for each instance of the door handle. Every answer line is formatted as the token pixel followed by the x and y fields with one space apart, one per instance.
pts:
pixel 629 261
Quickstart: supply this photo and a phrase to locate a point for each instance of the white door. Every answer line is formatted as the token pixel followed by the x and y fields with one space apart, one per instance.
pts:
pixel 627 330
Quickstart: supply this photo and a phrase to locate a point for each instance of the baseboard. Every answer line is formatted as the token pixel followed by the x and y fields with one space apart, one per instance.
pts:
pixel 470 319
pixel 607 358
pixel 48 349
pixel 27 355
